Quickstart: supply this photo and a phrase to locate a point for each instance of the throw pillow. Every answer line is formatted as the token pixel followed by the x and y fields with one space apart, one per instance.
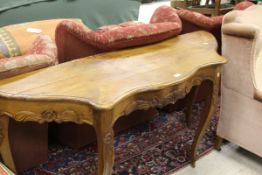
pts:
pixel 8 45
pixel 24 34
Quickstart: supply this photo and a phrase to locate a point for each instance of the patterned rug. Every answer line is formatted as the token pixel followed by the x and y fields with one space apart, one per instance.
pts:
pixel 158 147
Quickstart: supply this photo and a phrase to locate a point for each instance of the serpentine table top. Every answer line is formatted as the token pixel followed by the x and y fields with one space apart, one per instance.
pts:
pixel 97 90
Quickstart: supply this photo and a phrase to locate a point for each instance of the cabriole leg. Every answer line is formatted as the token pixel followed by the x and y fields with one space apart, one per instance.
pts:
pixel 219 141
pixel 190 101
pixel 5 145
pixel 206 116
pixel 105 143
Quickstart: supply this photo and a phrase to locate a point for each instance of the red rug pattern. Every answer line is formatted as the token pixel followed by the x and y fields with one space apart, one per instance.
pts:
pixel 158 147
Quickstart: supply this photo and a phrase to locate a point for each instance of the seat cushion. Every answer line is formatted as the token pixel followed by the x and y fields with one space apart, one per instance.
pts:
pixel 122 36
pixel 76 40
pixel 8 45
pixel 164 24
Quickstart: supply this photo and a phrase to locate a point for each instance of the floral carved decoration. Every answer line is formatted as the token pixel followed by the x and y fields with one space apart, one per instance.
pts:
pixel 46 116
pixel 159 99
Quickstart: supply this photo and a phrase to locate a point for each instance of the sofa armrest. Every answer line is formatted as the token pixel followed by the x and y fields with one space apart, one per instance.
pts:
pixel 240 46
pixel 240 30
pixel 71 43
pixel 22 64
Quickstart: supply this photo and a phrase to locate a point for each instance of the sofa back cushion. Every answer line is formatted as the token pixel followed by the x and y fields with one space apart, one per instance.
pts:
pixel 164 23
pixel 132 34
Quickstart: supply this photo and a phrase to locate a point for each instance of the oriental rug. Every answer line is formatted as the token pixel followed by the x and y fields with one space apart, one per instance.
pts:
pixel 158 147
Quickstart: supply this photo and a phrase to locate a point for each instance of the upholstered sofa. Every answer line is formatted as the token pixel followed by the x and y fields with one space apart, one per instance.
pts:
pixel 241 103
pixel 75 40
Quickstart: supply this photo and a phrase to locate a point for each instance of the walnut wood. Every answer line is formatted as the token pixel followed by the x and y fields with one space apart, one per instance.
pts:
pixel 77 136
pixel 105 142
pixel 207 114
pixel 219 141
pixel 190 101
pixel 97 90
pixel 5 145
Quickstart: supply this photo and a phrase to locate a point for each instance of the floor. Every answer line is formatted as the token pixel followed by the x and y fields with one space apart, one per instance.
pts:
pixel 231 160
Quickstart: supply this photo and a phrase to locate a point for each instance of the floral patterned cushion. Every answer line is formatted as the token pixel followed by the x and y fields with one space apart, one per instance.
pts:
pixel 133 35
pixel 42 54
pixel 165 14
pixel 114 27
pixel 243 5
pixel 130 23
pixel 8 45
pixel 199 19
pixel 108 28
pixel 44 45
pixel 126 34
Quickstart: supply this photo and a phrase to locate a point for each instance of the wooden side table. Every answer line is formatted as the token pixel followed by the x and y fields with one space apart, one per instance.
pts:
pixel 99 89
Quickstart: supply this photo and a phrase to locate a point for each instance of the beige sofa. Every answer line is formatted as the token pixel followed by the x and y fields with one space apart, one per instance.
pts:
pixel 241 108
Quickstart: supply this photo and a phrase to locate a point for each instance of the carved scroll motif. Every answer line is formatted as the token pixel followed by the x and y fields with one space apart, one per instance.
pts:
pixel 144 102
pixel 46 116
pixel 109 138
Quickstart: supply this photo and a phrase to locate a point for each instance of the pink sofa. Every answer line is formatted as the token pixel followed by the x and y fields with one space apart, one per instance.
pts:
pixel 75 40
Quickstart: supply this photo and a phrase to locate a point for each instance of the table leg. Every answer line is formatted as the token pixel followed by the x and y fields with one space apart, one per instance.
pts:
pixel 219 141
pixel 5 145
pixel 190 101
pixel 205 117
pixel 105 143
